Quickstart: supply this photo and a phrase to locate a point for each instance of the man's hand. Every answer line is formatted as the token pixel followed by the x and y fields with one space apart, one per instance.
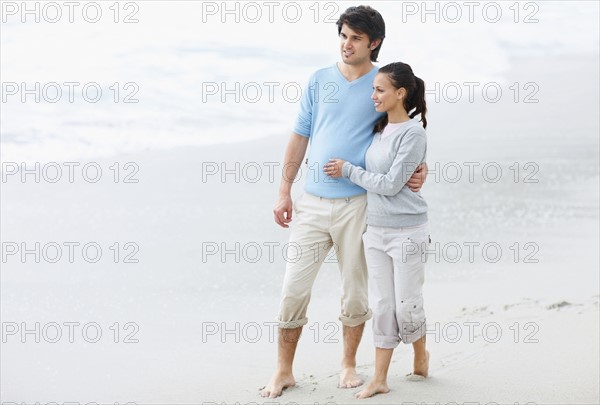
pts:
pixel 283 211
pixel 418 178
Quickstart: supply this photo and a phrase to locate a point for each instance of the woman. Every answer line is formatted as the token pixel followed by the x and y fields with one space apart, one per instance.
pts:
pixel 397 234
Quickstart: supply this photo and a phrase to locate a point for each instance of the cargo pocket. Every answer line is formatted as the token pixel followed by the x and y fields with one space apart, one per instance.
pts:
pixel 412 320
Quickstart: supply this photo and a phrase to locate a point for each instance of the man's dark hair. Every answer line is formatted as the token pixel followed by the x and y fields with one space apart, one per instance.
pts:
pixel 365 20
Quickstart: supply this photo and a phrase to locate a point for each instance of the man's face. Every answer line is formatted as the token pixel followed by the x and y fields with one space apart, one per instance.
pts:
pixel 355 46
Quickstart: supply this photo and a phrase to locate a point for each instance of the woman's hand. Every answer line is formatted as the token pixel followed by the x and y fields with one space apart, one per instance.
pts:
pixel 334 168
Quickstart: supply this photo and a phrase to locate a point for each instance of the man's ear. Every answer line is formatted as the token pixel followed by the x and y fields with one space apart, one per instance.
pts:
pixel 375 44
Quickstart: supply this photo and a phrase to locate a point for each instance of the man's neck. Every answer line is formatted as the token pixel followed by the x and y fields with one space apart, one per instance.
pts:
pixel 353 72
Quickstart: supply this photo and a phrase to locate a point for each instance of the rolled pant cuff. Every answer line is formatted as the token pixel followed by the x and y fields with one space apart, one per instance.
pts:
pixel 409 338
pixel 293 324
pixel 386 342
pixel 353 321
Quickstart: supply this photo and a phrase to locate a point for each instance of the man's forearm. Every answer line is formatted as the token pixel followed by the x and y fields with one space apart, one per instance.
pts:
pixel 294 154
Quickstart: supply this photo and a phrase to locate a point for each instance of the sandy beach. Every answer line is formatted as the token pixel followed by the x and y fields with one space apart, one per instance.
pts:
pixel 180 305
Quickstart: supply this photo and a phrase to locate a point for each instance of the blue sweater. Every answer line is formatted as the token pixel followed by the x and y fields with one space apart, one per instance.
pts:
pixel 338 117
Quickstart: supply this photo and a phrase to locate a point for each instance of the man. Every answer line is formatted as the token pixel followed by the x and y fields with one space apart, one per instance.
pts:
pixel 337 117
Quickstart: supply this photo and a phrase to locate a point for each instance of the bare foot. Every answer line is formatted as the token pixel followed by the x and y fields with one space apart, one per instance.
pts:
pixel 349 378
pixel 373 388
pixel 278 383
pixel 421 366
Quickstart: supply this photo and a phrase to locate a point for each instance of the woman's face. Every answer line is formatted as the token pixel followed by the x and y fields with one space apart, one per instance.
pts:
pixel 385 96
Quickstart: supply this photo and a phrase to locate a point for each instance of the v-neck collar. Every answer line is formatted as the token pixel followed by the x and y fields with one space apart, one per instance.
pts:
pixel 353 82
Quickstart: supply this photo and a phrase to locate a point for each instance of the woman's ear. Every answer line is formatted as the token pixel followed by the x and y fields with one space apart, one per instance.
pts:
pixel 401 93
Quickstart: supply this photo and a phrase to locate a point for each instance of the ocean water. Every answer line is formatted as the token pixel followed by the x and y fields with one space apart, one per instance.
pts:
pixel 182 73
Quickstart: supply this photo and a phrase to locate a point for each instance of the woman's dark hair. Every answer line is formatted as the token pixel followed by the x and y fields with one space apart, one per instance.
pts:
pixel 401 75
pixel 365 20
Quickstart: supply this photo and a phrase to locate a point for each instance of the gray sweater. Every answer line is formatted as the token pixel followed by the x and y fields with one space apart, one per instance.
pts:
pixel 390 163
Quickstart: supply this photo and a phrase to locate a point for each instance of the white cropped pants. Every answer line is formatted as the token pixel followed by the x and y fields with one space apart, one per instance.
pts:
pixel 396 261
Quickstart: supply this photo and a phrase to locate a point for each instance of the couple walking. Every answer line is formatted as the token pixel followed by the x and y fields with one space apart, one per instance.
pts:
pixel 367 121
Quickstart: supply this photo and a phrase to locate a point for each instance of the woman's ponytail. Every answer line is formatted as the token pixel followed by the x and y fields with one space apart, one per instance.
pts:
pixel 418 102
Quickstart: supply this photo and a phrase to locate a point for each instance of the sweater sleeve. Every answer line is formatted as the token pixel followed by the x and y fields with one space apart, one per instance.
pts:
pixel 409 154
pixel 303 125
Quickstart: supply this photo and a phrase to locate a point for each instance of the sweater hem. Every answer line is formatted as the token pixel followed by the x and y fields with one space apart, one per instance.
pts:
pixel 396 221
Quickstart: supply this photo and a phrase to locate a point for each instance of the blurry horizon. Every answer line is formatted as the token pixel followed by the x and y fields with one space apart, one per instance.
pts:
pixel 183 61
